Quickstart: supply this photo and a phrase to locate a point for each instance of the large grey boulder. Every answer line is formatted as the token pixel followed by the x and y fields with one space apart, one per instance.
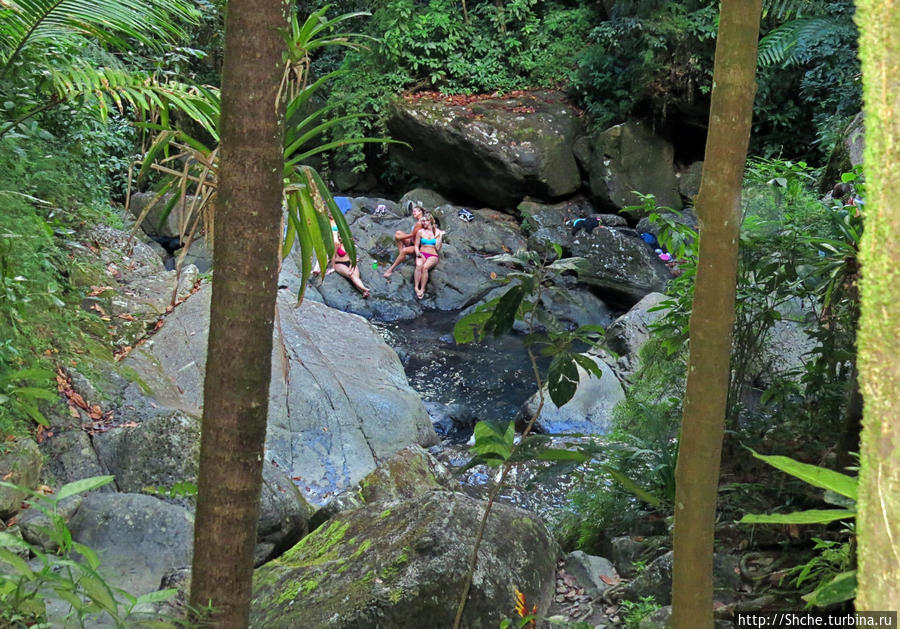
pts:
pixel 338 402
pixel 545 224
pixel 402 565
pixel 164 450
pixel 20 464
pixel 621 265
pixel 628 334
pixel 627 158
pixel 133 289
pixel 138 538
pixel 409 473
pixel 589 411
pixel 155 223
pixel 462 276
pixel 496 150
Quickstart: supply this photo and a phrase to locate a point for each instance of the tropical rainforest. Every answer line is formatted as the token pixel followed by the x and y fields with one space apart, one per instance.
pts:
pixel 101 101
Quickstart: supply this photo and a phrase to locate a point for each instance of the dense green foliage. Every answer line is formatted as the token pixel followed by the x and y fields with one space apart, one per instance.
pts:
pixel 50 186
pixel 796 269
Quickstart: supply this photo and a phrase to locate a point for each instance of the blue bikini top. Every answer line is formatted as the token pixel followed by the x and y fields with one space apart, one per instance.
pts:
pixel 428 241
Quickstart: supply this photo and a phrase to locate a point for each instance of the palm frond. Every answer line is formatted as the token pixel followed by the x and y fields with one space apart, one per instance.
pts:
pixel 154 23
pixel 779 46
pixel 788 9
pixel 114 87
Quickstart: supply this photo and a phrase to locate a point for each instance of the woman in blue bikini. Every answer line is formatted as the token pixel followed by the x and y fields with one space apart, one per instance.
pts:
pixel 428 242
pixel 342 265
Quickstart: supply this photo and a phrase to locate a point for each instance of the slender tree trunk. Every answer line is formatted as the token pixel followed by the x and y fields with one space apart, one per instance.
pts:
pixel 719 209
pixel 239 356
pixel 879 333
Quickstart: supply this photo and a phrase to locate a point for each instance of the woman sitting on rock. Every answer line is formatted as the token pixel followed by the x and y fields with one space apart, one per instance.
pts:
pixel 428 242
pixel 340 262
pixel 406 242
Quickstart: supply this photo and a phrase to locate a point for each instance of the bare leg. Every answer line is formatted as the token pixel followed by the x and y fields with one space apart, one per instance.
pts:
pixel 401 256
pixel 429 264
pixel 417 277
pixel 353 276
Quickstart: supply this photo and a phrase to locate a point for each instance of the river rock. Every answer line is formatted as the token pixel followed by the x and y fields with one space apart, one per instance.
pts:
pixel 689 180
pixel 628 334
pixel 656 579
pixel 137 537
pixel 20 464
pixel 397 564
pixel 595 574
pixel 461 278
pixel 620 264
pixel 495 150
pixel 409 473
pixel 37 526
pixel 627 158
pixel 154 223
pixel 589 411
pixel 199 254
pixel 546 224
pixel 71 456
pixel 338 403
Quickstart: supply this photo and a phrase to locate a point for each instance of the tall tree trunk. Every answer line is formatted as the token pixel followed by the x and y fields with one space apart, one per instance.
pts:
pixel 239 356
pixel 719 208
pixel 879 333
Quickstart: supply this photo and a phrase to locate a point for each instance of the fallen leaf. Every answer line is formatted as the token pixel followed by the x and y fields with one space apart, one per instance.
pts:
pixel 609 580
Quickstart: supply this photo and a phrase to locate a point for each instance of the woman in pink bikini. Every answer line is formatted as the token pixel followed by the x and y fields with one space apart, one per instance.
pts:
pixel 428 242
pixel 341 263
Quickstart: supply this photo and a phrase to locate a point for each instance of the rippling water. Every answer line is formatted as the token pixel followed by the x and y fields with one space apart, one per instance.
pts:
pixel 485 381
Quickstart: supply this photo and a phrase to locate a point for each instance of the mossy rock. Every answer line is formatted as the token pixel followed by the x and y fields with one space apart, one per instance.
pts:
pixel 20 464
pixel 409 473
pixel 402 566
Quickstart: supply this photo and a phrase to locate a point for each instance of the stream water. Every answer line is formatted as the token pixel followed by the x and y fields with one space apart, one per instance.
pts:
pixel 466 383
pixel 463 384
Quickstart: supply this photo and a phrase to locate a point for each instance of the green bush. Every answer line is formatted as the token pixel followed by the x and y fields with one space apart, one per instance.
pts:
pixel 50 186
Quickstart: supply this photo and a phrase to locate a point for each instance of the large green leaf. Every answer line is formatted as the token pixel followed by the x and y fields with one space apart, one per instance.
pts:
pixel 813 474
pixel 841 588
pixel 83 485
pixel 493 442
pixel 504 315
pixel 562 378
pixel 812 516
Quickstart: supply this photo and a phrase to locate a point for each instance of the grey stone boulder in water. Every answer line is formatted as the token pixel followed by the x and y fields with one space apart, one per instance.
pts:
pixel 496 150
pixel 339 400
pixel 402 564
pixel 628 157
pixel 589 411
pixel 409 473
